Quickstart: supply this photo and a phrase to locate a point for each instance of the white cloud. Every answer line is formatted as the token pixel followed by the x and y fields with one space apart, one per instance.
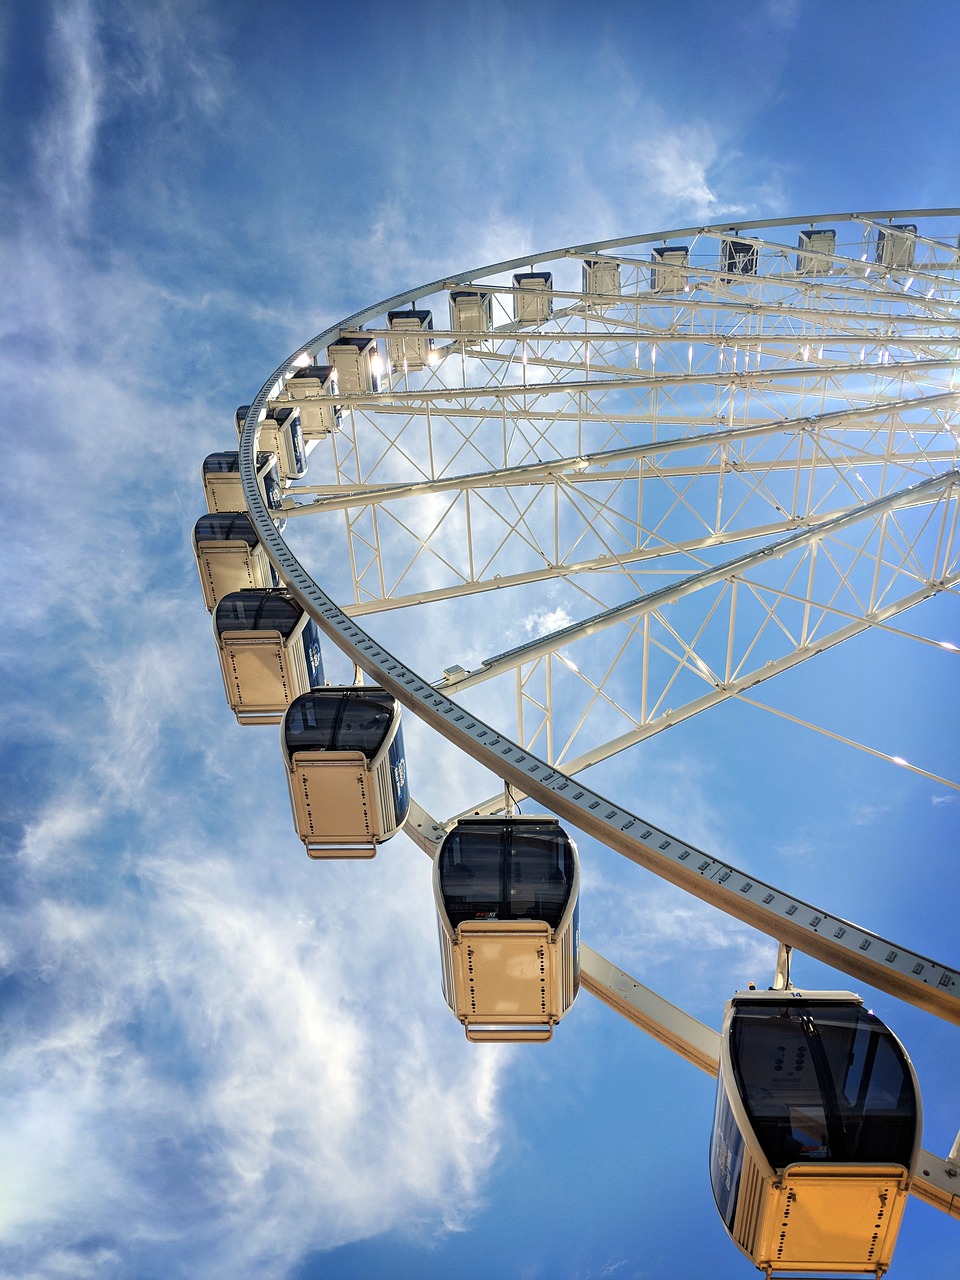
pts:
pixel 216 1056
pixel 67 140
pixel 865 814
pixel 67 823
pixel 544 621
pixel 782 15
pixel 307 1090
pixel 674 164
pixel 676 944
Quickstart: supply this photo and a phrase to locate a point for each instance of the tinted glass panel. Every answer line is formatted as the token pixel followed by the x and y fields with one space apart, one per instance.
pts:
pixel 351 720
pixel 310 721
pixel 296 440
pixel 726 1158
pixel 226 526
pixel 258 611
pixel 364 722
pixel 319 371
pixel 470 874
pixel 357 344
pixel 222 462
pixel 229 462
pixel 823 1082
pixel 423 318
pixel 506 871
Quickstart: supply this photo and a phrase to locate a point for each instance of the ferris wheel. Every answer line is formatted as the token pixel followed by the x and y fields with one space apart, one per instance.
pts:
pixel 561 503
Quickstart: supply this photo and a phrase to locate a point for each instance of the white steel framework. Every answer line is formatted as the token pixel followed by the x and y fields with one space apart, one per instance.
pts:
pixel 729 477
pixel 742 452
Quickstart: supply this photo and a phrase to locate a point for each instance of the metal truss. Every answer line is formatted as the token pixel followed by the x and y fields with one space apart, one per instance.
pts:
pixel 937 1181
pixel 617 504
pixel 678 472
pixel 703 485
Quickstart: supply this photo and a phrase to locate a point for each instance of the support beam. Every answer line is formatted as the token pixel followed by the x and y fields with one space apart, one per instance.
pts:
pixel 937 1180
pixel 681 1033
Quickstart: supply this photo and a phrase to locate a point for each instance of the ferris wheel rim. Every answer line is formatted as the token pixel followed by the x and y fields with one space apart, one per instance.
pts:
pixel 520 767
pixel 466 277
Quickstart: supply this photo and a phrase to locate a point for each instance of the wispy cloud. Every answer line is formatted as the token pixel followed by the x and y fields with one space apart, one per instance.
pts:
pixel 196 1039
pixel 66 140
pixel 543 621
pixel 675 165
pixel 865 814
pixel 782 15
pixel 199 1020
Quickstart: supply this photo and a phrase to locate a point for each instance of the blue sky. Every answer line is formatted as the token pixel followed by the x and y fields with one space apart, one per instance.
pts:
pixel 220 1060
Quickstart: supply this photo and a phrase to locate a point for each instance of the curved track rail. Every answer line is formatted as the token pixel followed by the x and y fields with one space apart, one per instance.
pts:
pixel 848 947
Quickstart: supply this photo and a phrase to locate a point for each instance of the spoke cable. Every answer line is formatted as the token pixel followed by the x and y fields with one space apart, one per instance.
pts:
pixel 850 742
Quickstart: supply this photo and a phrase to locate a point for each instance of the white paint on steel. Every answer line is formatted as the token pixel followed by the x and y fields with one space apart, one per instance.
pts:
pixel 848 947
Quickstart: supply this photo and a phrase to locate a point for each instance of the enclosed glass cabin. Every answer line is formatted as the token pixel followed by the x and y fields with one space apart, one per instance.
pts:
pixel 471 310
pixel 816 1132
pixel 600 276
pixel 738 258
pixel 409 346
pixel 312 389
pixel 224 489
pixel 269 653
pixel 896 245
pixel 506 893
pixel 346 769
pixel 229 555
pixel 356 359
pixel 282 435
pixel 816 249
pixel 532 297
pixel 669 266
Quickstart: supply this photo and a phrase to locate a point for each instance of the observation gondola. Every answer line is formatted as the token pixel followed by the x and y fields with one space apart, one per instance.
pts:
pixel 738 258
pixel 816 247
pixel 896 245
pixel 346 769
pixel 269 653
pixel 312 388
pixel 356 360
pixel 532 299
pixel 409 346
pixel 816 1133
pixel 506 892
pixel 223 486
pixel 229 556
pixel 282 435
pixel 471 310
pixel 600 276
pixel 669 267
